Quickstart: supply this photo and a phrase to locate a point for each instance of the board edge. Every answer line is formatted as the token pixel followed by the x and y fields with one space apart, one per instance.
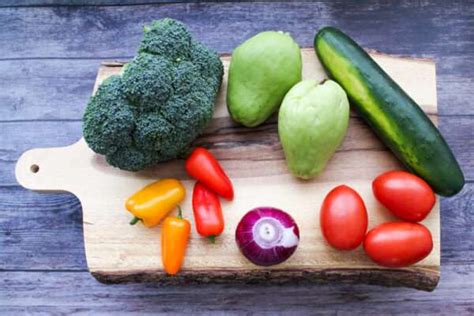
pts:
pixel 425 279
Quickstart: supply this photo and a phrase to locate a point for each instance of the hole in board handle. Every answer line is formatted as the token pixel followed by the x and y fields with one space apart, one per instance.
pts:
pixel 34 168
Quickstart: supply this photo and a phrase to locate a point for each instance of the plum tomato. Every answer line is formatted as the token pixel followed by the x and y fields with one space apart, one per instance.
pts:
pixel 343 218
pixel 398 244
pixel 407 196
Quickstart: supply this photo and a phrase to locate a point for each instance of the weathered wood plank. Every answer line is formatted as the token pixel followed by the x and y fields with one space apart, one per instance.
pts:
pixel 26 3
pixel 45 89
pixel 71 3
pixel 74 3
pixel 442 28
pixel 43 292
pixel 43 3
pixel 457 220
pixel 17 137
pixel 44 231
pixel 40 232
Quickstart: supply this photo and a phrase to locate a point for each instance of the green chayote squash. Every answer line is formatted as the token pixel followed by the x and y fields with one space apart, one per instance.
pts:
pixel 261 72
pixel 312 122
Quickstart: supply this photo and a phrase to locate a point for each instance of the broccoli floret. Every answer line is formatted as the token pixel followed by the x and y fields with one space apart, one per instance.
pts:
pixel 168 38
pixel 209 63
pixel 108 119
pixel 147 81
pixel 160 104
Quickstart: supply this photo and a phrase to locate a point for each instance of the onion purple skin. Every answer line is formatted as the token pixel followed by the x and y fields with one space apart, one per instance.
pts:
pixel 267 236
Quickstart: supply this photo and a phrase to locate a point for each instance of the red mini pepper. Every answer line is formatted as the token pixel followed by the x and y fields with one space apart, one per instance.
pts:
pixel 207 212
pixel 204 167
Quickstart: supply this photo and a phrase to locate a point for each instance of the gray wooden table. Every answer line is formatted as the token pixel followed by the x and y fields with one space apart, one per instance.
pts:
pixel 49 54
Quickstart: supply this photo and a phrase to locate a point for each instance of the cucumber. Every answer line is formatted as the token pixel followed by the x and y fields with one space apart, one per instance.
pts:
pixel 390 112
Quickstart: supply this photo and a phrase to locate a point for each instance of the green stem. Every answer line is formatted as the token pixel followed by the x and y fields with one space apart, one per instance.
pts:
pixel 135 220
pixel 180 212
pixel 212 239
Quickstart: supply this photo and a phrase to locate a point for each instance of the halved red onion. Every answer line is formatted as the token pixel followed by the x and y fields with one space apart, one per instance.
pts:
pixel 267 236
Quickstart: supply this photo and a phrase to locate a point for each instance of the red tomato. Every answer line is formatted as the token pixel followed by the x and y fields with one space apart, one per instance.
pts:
pixel 204 167
pixel 398 244
pixel 207 211
pixel 407 196
pixel 343 218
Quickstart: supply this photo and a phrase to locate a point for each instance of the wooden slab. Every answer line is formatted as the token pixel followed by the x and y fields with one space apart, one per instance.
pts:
pixel 118 252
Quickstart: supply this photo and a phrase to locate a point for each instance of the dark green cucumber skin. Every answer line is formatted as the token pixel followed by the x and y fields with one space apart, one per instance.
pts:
pixel 423 149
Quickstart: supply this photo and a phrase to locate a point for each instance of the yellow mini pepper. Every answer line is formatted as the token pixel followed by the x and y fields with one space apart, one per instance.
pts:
pixel 152 203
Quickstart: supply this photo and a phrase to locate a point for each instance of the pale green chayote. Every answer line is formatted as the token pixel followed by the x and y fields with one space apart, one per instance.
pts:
pixel 312 123
pixel 261 72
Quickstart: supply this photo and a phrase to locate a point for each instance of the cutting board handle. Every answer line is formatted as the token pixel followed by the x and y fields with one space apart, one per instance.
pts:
pixel 47 169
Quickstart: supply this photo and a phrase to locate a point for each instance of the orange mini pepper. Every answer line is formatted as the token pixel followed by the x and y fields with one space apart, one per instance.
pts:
pixel 174 240
pixel 152 203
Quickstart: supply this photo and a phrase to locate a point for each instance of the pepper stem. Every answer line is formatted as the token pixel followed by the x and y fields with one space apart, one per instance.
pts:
pixel 135 220
pixel 212 239
pixel 180 212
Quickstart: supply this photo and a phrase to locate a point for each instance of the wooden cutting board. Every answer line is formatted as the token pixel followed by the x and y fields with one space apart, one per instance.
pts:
pixel 253 158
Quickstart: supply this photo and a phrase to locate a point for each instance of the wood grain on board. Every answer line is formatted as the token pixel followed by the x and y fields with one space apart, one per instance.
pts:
pixel 31 223
pixel 117 252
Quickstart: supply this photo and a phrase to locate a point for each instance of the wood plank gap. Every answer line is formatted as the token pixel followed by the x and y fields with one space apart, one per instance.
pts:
pixel 41 120
pixel 154 3
pixel 106 58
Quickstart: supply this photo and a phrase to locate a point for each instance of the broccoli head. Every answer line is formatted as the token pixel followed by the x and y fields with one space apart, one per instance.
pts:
pixel 161 102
